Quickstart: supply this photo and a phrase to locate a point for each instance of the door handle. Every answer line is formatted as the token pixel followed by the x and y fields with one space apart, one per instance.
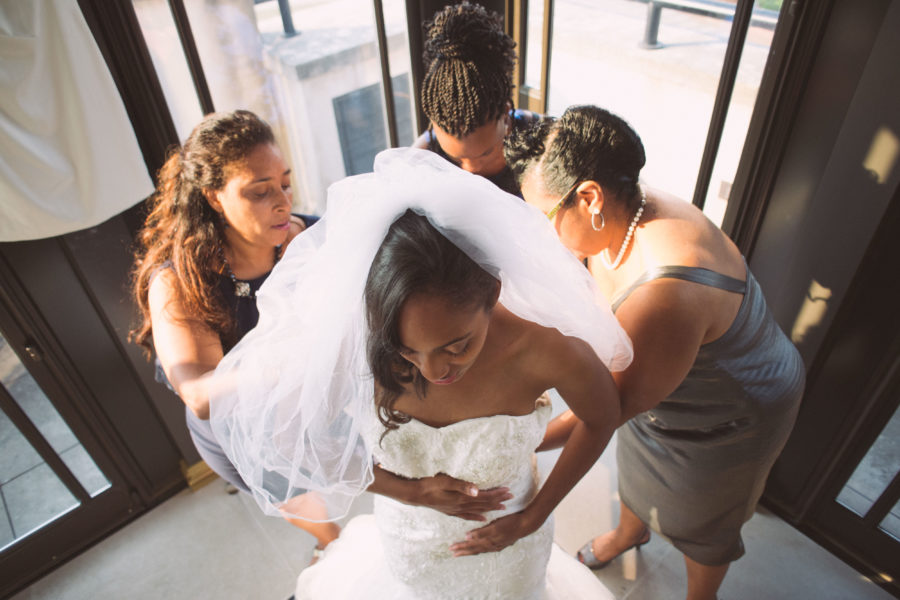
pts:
pixel 34 351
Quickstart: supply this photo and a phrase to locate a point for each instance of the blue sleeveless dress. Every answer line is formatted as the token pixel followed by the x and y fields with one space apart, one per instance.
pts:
pixel 693 467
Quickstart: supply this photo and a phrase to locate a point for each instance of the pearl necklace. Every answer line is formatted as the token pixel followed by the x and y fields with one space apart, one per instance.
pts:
pixel 604 256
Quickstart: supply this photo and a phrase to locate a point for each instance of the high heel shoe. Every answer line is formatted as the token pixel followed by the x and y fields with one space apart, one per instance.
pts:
pixel 586 554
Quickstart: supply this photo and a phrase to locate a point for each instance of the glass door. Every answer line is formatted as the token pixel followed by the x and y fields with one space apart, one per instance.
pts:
pixel 59 488
pixel 861 513
pixel 857 391
pixel 838 478
pixel 332 78
pixel 45 471
pixel 684 74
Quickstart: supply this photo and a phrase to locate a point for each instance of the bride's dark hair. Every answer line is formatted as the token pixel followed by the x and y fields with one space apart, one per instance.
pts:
pixel 414 258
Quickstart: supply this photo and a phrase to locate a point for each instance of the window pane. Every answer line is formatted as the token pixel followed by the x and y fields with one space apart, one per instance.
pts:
pixel 398 55
pixel 293 81
pixel 666 94
pixel 749 76
pixel 362 132
pixel 161 37
pixel 31 494
pixel 534 42
pixel 874 472
pixel 891 522
pixel 18 455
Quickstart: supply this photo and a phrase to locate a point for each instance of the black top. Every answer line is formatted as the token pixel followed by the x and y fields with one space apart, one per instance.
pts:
pixel 505 180
pixel 243 308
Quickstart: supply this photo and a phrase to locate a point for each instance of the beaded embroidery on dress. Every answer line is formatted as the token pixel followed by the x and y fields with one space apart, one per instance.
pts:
pixel 402 552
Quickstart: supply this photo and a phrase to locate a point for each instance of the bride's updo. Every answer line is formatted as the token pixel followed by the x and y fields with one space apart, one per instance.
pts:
pixel 414 258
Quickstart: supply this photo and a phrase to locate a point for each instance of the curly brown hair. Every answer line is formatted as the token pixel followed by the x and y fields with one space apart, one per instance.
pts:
pixel 182 231
pixel 469 63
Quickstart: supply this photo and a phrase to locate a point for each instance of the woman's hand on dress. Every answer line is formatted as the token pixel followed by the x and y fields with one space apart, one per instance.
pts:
pixel 459 498
pixel 496 536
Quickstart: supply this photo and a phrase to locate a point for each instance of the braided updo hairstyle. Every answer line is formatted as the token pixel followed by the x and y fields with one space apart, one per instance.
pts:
pixel 469 63
pixel 585 143
pixel 182 231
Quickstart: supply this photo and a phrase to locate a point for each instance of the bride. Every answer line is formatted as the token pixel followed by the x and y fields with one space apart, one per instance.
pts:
pixel 412 329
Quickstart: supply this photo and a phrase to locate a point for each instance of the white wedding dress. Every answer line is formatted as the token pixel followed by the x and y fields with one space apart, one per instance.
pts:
pixel 402 552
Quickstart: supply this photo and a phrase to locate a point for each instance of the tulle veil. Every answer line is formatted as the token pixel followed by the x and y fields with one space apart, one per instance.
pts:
pixel 291 401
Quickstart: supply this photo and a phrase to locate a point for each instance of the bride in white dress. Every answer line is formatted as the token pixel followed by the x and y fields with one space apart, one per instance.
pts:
pixel 463 311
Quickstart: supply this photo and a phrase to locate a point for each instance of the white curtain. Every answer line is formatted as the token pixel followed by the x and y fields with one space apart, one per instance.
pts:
pixel 68 154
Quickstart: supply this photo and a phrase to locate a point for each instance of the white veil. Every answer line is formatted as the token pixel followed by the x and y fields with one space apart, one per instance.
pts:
pixel 295 395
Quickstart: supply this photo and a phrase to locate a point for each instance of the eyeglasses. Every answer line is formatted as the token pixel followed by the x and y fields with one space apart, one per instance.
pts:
pixel 562 201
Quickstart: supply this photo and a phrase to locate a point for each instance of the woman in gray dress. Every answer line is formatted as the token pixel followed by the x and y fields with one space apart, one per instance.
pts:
pixel 714 388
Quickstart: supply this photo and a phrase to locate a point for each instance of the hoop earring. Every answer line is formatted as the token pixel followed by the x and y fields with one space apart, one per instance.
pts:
pixel 602 221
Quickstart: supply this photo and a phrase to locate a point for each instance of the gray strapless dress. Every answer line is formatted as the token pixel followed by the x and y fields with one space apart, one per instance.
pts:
pixel 694 467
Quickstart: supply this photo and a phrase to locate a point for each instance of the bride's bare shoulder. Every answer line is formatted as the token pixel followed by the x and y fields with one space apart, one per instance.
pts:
pixel 530 341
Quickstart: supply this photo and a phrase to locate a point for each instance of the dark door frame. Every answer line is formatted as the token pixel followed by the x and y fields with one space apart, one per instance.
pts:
pixel 119 427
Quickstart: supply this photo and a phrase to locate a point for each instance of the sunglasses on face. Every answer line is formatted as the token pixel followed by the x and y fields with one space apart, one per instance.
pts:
pixel 562 201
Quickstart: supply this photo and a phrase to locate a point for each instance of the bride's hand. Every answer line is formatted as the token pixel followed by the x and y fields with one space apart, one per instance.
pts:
pixel 459 498
pixel 496 536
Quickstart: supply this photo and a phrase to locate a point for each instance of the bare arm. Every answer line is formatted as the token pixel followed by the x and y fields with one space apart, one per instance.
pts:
pixel 588 388
pixel 187 350
pixel 442 493
pixel 558 431
pixel 667 323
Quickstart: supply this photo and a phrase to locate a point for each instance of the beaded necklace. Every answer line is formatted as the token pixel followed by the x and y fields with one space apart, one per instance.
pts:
pixel 242 288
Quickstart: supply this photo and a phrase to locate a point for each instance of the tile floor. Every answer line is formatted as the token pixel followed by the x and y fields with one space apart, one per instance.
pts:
pixel 208 544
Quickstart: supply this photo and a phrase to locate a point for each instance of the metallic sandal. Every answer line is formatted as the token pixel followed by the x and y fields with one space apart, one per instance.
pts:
pixel 586 554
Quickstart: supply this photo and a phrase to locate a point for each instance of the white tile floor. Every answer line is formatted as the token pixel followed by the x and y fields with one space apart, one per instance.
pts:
pixel 208 544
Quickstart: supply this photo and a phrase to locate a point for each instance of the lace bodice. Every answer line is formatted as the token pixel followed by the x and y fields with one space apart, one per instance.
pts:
pixel 403 552
pixel 486 451
pixel 489 452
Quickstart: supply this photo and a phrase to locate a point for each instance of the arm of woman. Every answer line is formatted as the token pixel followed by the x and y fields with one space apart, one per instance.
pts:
pixel 443 493
pixel 667 322
pixel 573 368
pixel 187 350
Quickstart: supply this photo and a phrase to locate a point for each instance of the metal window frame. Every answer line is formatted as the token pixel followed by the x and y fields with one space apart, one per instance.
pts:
pixel 527 97
pixel 192 55
pixel 800 28
pixel 387 86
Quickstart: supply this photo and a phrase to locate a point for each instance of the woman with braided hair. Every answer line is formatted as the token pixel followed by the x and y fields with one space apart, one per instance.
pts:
pixel 467 91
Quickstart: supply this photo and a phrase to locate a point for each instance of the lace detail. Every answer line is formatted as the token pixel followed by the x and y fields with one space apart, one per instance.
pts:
pixel 404 552
pixel 489 452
